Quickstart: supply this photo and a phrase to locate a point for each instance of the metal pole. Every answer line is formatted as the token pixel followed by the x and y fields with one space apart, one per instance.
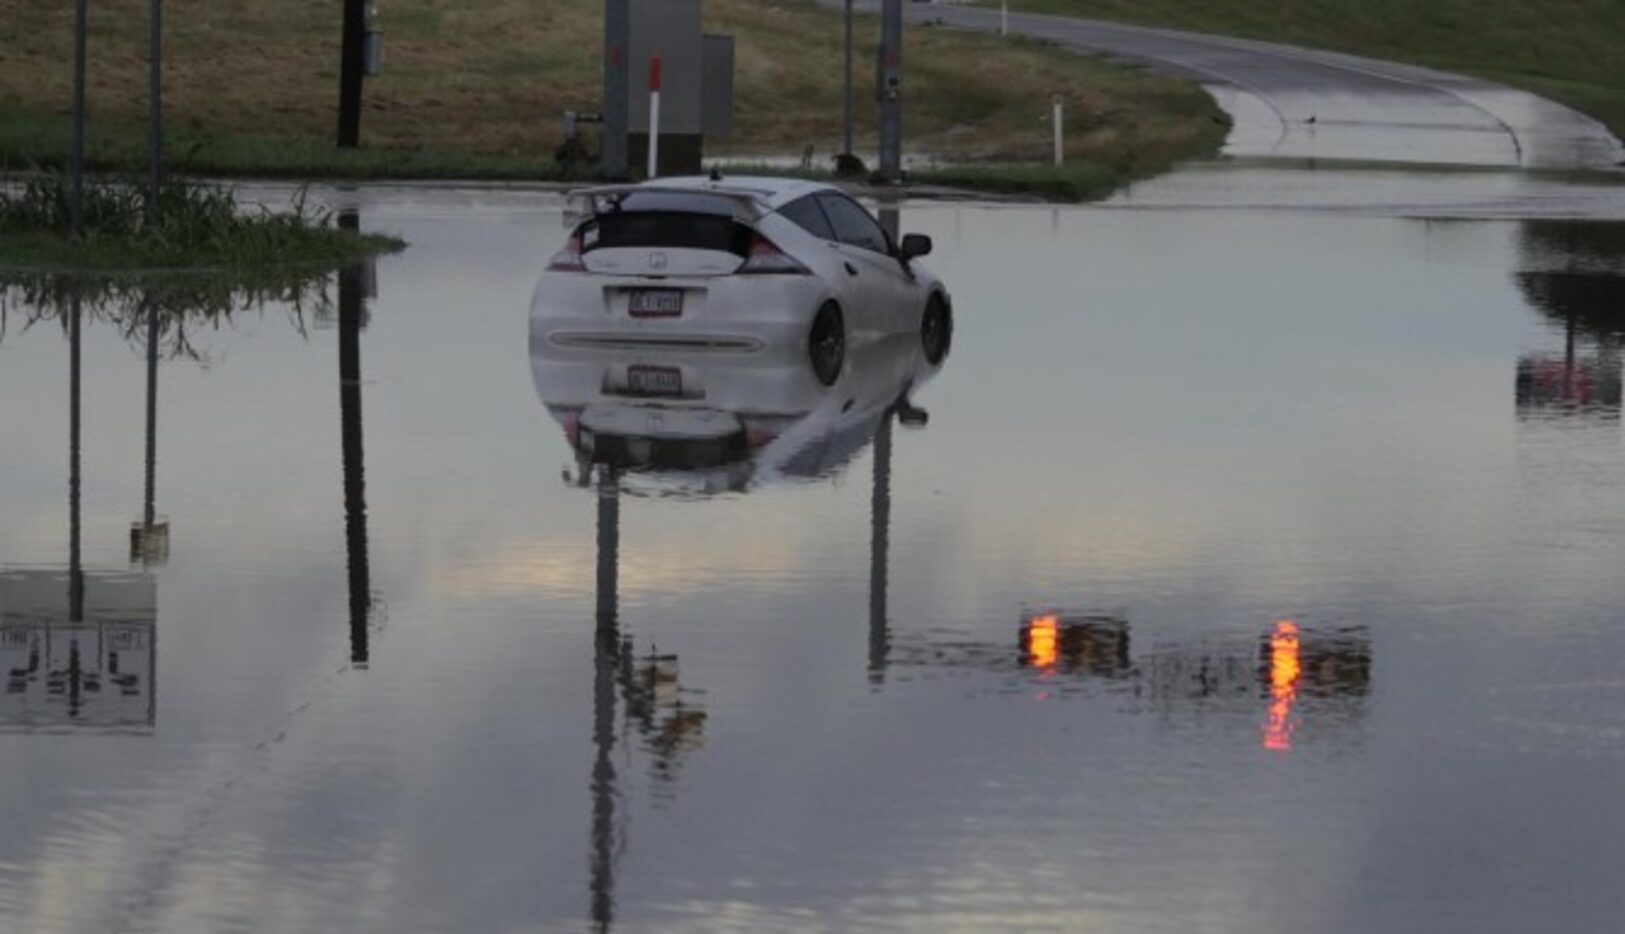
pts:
pixel 148 507
pixel 846 99
pixel 155 111
pixel 891 90
pixel 350 66
pixel 76 155
pixel 76 574
pixel 613 157
pixel 654 115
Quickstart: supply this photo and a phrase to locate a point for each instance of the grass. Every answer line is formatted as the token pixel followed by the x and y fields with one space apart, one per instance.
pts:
pixel 1082 181
pixel 477 90
pixel 1570 50
pixel 197 226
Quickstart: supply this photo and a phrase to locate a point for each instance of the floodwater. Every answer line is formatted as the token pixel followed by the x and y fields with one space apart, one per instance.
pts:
pixel 1239 570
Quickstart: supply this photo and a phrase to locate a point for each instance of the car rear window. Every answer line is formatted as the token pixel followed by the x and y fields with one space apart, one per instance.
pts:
pixel 667 219
pixel 805 213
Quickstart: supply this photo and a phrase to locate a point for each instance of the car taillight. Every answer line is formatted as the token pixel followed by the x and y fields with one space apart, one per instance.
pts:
pixel 766 257
pixel 569 258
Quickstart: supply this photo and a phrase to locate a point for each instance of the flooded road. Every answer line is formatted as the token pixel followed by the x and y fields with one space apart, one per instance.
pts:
pixel 1238 570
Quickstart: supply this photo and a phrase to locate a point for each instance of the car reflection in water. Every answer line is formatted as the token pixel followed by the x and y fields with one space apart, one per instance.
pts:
pixel 698 422
pixel 695 423
pixel 1574 275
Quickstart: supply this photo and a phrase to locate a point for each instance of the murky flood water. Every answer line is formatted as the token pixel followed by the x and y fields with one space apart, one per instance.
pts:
pixel 1237 571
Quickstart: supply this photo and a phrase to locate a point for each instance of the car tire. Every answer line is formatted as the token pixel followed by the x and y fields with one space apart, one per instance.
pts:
pixel 936 330
pixel 826 343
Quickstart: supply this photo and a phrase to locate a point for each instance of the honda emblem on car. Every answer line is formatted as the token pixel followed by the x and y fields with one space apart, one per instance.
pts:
pixel 657 261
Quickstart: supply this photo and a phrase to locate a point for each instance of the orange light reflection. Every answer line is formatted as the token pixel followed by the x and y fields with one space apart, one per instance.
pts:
pixel 1285 670
pixel 1043 641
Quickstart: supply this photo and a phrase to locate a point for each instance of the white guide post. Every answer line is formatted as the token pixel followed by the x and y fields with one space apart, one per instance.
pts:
pixel 654 114
pixel 1055 118
pixel 1004 17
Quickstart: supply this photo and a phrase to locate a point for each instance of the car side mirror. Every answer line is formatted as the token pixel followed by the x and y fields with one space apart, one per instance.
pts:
pixel 914 245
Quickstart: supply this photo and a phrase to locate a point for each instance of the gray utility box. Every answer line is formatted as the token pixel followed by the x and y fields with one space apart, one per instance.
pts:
pixel 696 87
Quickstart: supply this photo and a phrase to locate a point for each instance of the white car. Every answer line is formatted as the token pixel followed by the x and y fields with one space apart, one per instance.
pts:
pixel 738 264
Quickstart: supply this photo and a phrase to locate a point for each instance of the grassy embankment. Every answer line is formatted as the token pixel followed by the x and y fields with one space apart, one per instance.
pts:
pixel 477 91
pixel 1572 51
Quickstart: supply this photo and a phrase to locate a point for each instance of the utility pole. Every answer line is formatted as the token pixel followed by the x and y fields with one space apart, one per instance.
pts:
pixel 76 152
pixel 155 110
pixel 891 90
pixel 846 99
pixel 351 65
pixel 613 156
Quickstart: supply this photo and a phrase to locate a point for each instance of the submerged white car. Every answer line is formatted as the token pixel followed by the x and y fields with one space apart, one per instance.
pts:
pixel 737 264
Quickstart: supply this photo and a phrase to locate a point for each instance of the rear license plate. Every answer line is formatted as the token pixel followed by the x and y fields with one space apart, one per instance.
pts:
pixel 654 380
pixel 655 303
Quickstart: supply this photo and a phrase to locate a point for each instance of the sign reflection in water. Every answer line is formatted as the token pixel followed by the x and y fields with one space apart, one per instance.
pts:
pixel 1285 670
pixel 92 669
pixel 1065 653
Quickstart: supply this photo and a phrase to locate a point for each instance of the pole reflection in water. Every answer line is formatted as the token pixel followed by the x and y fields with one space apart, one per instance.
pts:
pixel 76 580
pixel 149 538
pixel 652 701
pixel 606 659
pixel 76 571
pixel 879 552
pixel 352 308
pixel 713 425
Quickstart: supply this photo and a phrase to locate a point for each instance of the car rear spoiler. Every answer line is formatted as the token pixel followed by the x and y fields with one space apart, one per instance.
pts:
pixel 748 206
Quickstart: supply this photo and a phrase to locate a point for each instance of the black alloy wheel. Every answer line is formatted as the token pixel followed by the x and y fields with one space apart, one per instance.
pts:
pixel 826 343
pixel 936 330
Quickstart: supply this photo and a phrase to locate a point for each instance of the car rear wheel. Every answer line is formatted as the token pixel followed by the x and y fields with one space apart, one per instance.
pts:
pixel 826 343
pixel 936 330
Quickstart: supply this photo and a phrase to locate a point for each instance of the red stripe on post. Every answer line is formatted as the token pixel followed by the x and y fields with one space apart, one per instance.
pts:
pixel 654 72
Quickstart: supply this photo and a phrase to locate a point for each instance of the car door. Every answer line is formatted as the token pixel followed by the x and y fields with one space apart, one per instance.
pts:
pixel 881 288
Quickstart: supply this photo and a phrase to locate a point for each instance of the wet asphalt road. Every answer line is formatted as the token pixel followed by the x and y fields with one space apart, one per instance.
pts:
pixel 1292 102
